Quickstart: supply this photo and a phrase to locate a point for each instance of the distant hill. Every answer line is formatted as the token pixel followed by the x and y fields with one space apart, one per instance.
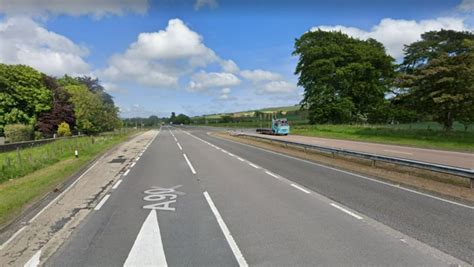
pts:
pixel 250 113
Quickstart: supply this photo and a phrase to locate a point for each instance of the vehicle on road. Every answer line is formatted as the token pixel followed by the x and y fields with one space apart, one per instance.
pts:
pixel 279 127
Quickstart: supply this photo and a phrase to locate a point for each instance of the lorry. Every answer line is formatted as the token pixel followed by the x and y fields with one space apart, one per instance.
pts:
pixel 279 127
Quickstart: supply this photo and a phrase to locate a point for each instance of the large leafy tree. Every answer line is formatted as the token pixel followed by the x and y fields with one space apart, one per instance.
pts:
pixel 343 78
pixel 23 96
pixel 87 109
pixel 438 76
pixel 62 109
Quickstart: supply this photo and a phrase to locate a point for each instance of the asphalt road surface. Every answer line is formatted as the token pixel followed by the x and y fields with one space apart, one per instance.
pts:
pixel 195 200
pixel 443 157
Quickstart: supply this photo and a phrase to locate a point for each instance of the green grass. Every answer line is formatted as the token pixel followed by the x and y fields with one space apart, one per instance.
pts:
pixel 44 175
pixel 417 135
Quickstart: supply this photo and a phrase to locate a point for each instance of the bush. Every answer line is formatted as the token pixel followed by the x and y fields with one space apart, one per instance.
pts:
pixel 18 132
pixel 63 129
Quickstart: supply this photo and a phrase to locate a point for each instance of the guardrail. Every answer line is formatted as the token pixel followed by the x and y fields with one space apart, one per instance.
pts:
pixel 465 173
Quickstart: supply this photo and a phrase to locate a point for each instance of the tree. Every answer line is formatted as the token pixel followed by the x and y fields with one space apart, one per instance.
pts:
pixel 343 78
pixel 173 117
pixel 64 129
pixel 438 76
pixel 93 84
pixel 182 119
pixel 23 95
pixel 62 109
pixel 87 109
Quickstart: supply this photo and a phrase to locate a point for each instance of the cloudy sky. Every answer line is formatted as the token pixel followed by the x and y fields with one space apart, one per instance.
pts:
pixel 202 56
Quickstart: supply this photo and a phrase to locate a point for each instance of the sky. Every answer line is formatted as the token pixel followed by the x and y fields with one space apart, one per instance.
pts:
pixel 202 56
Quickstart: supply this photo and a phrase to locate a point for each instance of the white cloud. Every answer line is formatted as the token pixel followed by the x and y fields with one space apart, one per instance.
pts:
pixel 466 6
pixel 202 3
pixel 259 75
pixel 395 33
pixel 224 95
pixel 277 87
pixel 229 66
pixel 203 81
pixel 23 41
pixel 96 8
pixel 158 59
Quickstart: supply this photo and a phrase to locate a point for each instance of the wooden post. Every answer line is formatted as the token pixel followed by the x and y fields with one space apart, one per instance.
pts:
pixel 19 159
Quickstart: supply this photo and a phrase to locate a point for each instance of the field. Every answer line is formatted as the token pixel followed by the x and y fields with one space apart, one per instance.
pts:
pixel 29 174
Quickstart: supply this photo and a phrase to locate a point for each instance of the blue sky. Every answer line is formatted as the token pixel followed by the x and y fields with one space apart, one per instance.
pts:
pixel 201 56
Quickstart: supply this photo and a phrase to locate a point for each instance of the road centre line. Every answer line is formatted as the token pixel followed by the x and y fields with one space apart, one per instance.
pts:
pixel 102 202
pixel 300 188
pixel 241 159
pixel 253 165
pixel 189 164
pixel 228 236
pixel 272 174
pixel 346 211
pixel 117 184
pixel 126 172
pixel 354 174
pixel 180 148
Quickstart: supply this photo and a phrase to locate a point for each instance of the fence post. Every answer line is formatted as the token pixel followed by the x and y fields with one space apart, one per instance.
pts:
pixel 19 159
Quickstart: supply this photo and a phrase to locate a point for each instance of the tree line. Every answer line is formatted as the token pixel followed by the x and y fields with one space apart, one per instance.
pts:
pixel 348 80
pixel 33 102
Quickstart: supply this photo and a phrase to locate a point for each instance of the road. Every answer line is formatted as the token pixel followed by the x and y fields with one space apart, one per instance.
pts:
pixel 443 157
pixel 194 199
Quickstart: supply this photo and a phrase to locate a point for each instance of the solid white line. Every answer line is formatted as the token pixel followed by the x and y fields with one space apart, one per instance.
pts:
pixel 300 188
pixel 12 237
pixel 126 172
pixel 346 211
pixel 272 174
pixel 180 148
pixel 353 174
pixel 399 152
pixel 253 165
pixel 147 250
pixel 228 236
pixel 117 184
pixel 34 261
pixel 189 164
pixel 133 164
pixel 102 202
pixel 66 190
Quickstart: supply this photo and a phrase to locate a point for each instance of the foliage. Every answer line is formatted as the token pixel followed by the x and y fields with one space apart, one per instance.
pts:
pixel 343 78
pixel 18 132
pixel 22 95
pixel 438 76
pixel 62 109
pixel 181 119
pixel 64 130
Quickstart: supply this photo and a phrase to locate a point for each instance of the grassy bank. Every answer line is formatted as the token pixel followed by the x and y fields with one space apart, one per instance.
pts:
pixel 416 135
pixel 40 169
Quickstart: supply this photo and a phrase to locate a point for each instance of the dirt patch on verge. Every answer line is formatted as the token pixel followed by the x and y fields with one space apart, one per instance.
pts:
pixel 443 184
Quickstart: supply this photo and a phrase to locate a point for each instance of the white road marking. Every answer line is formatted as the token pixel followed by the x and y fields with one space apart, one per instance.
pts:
pixel 133 164
pixel 189 164
pixel 180 148
pixel 148 249
pixel 241 159
pixel 126 172
pixel 354 174
pixel 346 211
pixel 12 237
pixel 253 165
pixel 300 188
pixel 399 152
pixel 272 174
pixel 176 140
pixel 102 202
pixel 228 236
pixel 34 261
pixel 66 190
pixel 117 184
pixel 138 158
pixel 230 154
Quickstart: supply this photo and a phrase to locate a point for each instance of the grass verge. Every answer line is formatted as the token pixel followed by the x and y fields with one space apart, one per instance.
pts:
pixel 18 193
pixel 442 184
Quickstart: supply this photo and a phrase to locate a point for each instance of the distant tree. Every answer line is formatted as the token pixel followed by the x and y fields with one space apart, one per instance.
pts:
pixel 343 78
pixel 62 109
pixel 438 76
pixel 23 95
pixel 93 84
pixel 182 119
pixel 64 129
pixel 173 117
